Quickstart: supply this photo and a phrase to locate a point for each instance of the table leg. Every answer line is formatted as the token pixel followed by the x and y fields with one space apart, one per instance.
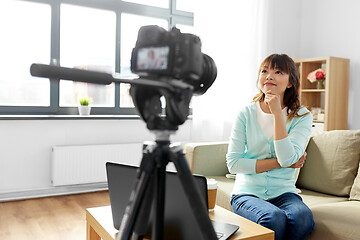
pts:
pixel 91 234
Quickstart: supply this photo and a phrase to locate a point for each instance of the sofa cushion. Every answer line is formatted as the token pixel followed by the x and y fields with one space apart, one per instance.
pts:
pixel 355 189
pixel 210 158
pixel 312 199
pixel 336 221
pixel 331 163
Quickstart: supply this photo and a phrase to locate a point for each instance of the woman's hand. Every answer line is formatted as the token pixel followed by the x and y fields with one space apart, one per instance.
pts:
pixel 273 101
pixel 300 162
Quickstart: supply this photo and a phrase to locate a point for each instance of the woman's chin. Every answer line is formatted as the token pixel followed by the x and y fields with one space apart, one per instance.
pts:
pixel 267 88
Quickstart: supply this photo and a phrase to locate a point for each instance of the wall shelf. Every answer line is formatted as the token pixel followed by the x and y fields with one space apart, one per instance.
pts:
pixel 313 90
pixel 332 102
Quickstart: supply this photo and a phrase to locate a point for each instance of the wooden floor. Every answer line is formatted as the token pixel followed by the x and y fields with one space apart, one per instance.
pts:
pixel 51 218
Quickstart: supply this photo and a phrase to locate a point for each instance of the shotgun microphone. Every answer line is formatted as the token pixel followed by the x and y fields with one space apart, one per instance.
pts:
pixel 79 75
pixel 50 71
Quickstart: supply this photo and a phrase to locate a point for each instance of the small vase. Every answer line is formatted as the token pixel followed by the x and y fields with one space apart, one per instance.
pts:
pixel 321 84
pixel 84 110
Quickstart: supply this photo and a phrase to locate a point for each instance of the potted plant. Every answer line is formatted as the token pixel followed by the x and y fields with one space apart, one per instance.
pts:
pixel 84 108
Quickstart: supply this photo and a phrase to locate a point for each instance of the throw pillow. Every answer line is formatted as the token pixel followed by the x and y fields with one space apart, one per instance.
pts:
pixel 331 163
pixel 355 189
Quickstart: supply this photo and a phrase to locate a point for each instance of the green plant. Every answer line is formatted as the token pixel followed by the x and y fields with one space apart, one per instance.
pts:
pixel 85 101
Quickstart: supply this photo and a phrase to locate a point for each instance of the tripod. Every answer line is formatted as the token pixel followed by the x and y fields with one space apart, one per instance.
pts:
pixel 150 182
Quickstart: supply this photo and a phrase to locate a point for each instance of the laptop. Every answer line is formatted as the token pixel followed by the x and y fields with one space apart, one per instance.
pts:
pixel 179 222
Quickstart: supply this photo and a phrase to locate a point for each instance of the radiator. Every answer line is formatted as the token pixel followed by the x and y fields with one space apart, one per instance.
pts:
pixel 84 164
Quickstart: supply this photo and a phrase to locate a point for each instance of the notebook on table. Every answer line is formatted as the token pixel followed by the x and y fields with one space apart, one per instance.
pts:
pixel 179 220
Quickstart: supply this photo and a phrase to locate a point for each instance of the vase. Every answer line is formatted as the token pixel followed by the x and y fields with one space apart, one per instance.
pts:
pixel 84 110
pixel 321 84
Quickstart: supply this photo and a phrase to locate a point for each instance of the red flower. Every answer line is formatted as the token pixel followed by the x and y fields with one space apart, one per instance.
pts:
pixel 316 75
pixel 319 75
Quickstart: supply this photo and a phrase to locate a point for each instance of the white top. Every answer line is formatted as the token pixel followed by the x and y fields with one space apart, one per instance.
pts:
pixel 266 120
pixel 212 183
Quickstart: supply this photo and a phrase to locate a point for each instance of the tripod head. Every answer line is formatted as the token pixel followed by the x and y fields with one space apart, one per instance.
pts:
pixel 147 102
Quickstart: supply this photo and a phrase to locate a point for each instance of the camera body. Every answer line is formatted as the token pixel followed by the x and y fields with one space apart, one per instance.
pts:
pixel 167 53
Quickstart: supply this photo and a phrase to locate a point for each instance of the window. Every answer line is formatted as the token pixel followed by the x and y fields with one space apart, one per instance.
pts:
pixel 87 43
pixel 20 45
pixel 186 28
pixel 155 3
pixel 87 34
pixel 185 5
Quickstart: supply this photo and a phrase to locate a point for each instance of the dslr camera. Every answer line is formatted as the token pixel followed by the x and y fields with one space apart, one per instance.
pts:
pixel 172 54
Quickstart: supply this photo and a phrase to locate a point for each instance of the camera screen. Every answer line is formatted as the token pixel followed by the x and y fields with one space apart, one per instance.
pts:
pixel 152 58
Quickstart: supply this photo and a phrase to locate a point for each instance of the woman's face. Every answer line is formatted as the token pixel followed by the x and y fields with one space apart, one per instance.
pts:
pixel 273 79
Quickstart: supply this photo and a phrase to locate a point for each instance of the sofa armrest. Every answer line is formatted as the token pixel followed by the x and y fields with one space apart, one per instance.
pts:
pixel 207 158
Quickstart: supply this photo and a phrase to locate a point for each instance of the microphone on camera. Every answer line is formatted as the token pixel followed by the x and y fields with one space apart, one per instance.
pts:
pixel 56 72
pixel 79 75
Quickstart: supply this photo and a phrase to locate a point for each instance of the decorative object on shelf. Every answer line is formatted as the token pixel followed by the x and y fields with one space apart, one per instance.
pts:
pixel 318 76
pixel 84 108
pixel 318 114
pixel 315 112
pixel 321 117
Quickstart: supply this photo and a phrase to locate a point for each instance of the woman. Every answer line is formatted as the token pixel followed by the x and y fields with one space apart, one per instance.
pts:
pixel 266 146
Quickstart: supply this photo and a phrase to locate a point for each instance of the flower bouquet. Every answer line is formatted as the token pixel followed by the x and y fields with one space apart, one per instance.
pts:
pixel 319 76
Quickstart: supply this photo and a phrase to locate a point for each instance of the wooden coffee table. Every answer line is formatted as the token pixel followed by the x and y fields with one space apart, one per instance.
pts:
pixel 99 224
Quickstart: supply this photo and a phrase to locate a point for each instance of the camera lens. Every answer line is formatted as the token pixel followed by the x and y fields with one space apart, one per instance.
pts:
pixel 208 76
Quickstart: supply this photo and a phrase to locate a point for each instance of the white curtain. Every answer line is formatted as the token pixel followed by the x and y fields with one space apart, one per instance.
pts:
pixel 230 31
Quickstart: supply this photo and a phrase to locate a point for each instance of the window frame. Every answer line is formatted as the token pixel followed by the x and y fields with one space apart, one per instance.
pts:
pixel 172 15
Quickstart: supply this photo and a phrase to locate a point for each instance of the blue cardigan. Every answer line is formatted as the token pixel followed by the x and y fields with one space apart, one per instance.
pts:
pixel 248 143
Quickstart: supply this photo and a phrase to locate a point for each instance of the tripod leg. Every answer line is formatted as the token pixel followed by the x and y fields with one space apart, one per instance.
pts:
pixel 199 209
pixel 137 237
pixel 158 223
pixel 133 207
pixel 142 221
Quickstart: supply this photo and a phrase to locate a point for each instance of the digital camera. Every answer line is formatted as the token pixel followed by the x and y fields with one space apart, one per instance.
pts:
pixel 172 54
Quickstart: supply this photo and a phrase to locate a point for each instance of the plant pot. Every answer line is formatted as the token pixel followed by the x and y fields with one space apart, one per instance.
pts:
pixel 84 110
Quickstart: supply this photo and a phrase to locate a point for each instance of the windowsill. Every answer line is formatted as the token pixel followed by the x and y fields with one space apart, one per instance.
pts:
pixel 66 117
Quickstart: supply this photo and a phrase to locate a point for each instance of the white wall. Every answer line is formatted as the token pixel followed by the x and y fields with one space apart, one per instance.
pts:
pixel 25 145
pixel 281 23
pixel 316 28
pixel 330 28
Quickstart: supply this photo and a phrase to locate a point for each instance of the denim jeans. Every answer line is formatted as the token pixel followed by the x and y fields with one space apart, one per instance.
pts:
pixel 287 215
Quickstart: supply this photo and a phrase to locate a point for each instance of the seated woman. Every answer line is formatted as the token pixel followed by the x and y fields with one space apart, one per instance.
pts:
pixel 266 146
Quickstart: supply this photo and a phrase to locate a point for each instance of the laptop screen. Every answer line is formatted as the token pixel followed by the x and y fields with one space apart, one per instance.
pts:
pixel 180 222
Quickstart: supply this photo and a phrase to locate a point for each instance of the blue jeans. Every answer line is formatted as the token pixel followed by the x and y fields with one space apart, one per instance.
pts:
pixel 287 215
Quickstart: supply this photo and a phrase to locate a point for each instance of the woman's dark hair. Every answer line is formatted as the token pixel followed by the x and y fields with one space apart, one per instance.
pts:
pixel 285 64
